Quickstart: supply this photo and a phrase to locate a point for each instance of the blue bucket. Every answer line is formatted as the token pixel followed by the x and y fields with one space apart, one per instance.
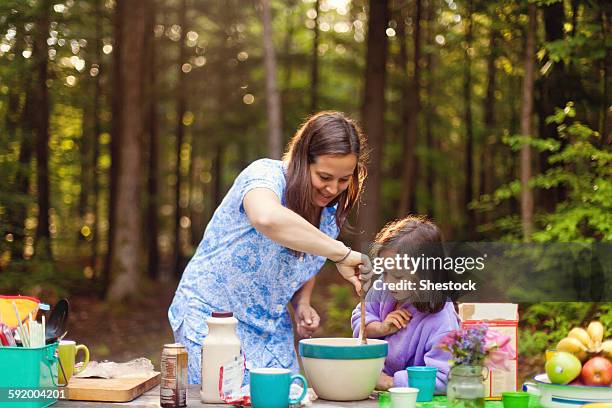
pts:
pixel 28 376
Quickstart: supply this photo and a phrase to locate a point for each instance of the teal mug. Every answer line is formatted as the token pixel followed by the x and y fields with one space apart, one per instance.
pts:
pixel 270 387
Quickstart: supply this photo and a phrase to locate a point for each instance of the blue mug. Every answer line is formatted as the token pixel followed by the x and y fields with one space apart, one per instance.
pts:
pixel 423 378
pixel 270 387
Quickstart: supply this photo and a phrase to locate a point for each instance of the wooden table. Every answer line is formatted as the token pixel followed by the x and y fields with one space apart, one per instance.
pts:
pixel 150 399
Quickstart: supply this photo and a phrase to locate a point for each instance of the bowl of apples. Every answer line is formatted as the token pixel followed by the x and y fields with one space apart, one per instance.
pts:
pixel 578 373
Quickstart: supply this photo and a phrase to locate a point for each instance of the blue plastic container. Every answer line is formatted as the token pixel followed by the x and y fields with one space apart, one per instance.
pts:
pixel 24 369
pixel 423 378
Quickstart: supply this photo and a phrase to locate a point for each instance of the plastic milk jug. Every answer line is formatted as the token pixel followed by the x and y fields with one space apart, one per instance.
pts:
pixel 220 347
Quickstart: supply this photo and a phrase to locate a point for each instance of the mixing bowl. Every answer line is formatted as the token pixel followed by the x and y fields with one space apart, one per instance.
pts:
pixel 342 369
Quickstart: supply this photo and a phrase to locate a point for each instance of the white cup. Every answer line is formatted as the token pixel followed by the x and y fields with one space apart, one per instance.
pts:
pixel 403 397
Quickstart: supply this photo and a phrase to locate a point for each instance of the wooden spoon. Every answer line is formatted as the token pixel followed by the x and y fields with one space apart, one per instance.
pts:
pixel 362 334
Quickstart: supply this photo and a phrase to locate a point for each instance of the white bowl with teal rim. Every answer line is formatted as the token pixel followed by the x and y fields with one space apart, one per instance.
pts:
pixel 343 369
pixel 565 396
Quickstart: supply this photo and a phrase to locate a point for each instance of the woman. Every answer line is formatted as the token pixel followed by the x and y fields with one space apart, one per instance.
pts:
pixel 268 239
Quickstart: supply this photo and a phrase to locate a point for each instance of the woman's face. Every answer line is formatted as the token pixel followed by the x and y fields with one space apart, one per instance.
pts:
pixel 330 176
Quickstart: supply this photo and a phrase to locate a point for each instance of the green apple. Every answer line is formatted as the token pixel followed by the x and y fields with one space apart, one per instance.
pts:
pixel 563 368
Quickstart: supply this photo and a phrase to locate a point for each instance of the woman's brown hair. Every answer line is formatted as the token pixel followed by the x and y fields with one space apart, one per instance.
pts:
pixel 416 236
pixel 325 133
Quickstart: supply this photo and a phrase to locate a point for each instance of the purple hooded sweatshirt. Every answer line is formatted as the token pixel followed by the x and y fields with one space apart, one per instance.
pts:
pixel 414 345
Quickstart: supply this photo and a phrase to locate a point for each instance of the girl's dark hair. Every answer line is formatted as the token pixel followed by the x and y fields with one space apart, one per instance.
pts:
pixel 416 236
pixel 325 133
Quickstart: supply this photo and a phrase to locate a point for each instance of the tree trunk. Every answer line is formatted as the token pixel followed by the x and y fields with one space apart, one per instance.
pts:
pixel 86 152
pixel 96 142
pixel 16 212
pixel 526 127
pixel 115 144
pixel 181 107
pixel 40 56
pixel 606 64
pixel 152 225
pixel 217 177
pixel 487 167
pixel 410 114
pixel 286 92
pixel 432 146
pixel 125 263
pixel 314 76
pixel 22 178
pixel 468 194
pixel 272 96
pixel 372 114
pixel 553 95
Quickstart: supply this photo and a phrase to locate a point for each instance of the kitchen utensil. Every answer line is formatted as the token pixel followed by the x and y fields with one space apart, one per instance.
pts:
pixel 423 378
pixel 566 396
pixel 58 321
pixel 362 331
pixel 341 369
pixel 403 397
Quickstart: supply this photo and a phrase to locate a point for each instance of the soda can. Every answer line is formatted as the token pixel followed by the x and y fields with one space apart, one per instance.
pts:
pixel 173 385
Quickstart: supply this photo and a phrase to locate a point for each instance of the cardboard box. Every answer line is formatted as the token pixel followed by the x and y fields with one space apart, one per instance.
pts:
pixel 501 317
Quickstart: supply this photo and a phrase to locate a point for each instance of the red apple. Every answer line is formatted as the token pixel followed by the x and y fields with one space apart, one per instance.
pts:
pixel 597 371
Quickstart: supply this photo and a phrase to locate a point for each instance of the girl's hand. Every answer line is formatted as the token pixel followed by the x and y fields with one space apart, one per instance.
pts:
pixel 384 382
pixel 395 321
pixel 306 319
pixel 357 269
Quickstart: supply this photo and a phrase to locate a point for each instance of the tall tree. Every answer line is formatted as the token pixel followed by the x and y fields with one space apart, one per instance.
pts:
pixel 410 112
pixel 97 129
pixel 553 93
pixel 272 95
pixel 373 112
pixel 153 139
pixel 16 115
pixel 181 108
pixel 526 126
pixel 41 57
pixel 468 193
pixel 314 75
pixel 116 135
pixel 489 142
pixel 432 145
pixel 125 263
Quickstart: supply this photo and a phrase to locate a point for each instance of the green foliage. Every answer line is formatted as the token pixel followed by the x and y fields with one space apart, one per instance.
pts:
pixel 579 165
pixel 544 324
pixel 339 308
pixel 584 169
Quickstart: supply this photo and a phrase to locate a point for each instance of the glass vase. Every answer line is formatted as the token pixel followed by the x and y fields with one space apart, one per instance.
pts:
pixel 465 387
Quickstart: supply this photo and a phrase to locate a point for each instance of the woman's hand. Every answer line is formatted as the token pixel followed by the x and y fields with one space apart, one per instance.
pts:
pixel 384 382
pixel 395 321
pixel 307 320
pixel 357 269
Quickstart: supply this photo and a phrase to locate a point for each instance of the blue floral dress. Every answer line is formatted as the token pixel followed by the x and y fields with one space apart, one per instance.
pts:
pixel 236 268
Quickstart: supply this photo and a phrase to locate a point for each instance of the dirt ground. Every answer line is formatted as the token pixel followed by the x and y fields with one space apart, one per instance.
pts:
pixel 121 333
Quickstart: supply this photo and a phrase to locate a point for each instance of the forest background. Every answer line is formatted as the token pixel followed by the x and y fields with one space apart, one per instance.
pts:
pixel 123 123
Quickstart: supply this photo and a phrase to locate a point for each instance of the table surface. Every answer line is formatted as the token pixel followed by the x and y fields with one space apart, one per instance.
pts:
pixel 151 399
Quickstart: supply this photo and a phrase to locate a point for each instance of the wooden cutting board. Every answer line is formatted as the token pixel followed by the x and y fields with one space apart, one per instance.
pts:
pixel 109 389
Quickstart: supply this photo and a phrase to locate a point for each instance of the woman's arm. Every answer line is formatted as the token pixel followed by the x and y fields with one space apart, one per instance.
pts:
pixel 280 224
pixel 304 293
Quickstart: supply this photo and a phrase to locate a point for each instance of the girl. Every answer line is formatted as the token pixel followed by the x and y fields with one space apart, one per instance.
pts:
pixel 412 321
